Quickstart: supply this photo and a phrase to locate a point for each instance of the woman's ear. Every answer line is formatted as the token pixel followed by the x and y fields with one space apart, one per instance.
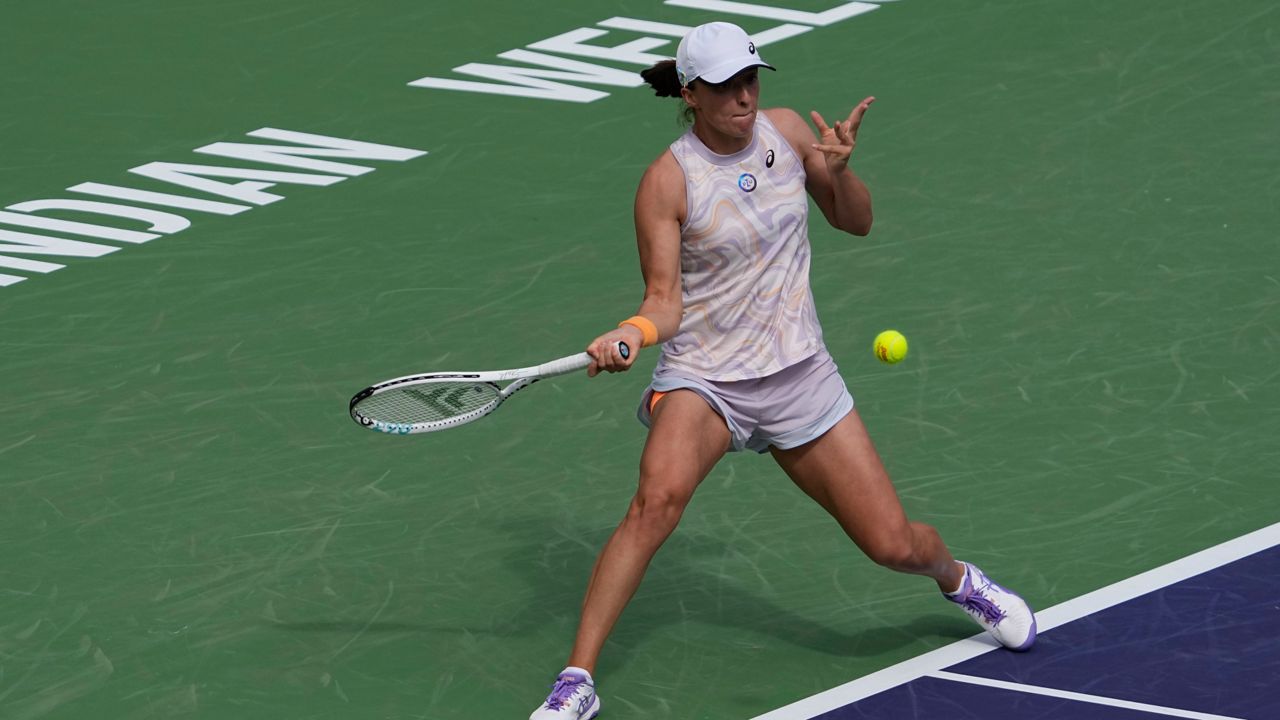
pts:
pixel 689 98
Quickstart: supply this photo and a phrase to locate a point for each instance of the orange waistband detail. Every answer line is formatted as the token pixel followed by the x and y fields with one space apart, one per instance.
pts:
pixel 653 400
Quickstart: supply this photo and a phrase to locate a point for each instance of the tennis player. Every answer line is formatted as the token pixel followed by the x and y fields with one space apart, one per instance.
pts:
pixel 722 227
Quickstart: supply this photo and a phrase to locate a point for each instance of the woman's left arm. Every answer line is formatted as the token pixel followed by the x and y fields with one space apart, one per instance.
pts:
pixel 838 191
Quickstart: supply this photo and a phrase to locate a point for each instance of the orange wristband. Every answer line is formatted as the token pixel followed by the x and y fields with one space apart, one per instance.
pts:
pixel 645 326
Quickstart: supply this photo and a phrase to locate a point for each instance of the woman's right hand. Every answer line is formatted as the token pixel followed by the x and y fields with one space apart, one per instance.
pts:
pixel 607 357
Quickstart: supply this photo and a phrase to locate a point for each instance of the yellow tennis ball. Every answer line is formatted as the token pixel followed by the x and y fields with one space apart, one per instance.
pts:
pixel 890 346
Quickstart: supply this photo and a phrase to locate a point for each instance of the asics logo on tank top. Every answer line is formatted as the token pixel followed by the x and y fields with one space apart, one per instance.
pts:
pixel 768 159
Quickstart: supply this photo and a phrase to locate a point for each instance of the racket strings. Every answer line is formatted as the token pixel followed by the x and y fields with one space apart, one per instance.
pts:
pixel 430 402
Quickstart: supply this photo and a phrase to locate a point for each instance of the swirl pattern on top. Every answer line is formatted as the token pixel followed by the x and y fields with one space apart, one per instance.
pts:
pixel 744 261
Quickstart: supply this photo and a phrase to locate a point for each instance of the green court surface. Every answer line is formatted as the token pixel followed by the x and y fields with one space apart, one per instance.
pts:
pixel 1076 220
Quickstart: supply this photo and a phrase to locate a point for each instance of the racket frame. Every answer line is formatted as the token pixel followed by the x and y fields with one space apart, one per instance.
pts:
pixel 521 378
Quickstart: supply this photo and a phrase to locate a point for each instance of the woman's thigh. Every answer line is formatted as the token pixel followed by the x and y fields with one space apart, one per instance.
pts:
pixel 842 471
pixel 686 439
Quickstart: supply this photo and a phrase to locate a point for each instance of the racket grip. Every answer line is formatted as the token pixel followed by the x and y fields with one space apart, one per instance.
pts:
pixel 562 366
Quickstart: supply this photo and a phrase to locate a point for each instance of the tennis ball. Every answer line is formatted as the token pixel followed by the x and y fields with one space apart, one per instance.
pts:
pixel 890 346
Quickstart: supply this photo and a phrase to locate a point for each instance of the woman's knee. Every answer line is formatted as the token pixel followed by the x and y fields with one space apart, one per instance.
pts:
pixel 895 549
pixel 657 510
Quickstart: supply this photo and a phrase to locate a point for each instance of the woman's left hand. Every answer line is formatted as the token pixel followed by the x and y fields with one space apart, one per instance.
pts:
pixel 837 143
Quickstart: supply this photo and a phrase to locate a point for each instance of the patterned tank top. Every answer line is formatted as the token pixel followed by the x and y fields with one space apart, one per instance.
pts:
pixel 744 260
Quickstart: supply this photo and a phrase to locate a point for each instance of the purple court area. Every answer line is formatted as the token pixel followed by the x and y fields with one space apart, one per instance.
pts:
pixel 1206 647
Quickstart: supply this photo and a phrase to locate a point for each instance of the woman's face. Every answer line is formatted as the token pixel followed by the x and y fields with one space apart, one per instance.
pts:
pixel 728 107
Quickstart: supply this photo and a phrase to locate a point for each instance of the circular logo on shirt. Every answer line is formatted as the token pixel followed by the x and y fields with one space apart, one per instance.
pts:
pixel 747 182
pixel 768 159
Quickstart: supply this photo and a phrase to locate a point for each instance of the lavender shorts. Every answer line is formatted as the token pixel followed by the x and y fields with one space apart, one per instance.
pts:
pixel 786 409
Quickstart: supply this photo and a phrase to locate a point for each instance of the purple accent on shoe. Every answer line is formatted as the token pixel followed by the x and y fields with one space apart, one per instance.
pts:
pixel 972 598
pixel 981 604
pixel 566 685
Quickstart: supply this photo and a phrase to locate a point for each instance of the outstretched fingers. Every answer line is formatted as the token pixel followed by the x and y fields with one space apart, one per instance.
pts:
pixel 854 120
pixel 841 134
pixel 837 142
pixel 818 122
pixel 832 141
pixel 832 149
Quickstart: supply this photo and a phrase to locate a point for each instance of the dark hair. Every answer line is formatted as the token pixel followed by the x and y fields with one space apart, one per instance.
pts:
pixel 665 81
pixel 663 78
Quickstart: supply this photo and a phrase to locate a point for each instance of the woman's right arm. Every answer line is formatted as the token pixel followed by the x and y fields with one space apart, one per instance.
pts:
pixel 659 211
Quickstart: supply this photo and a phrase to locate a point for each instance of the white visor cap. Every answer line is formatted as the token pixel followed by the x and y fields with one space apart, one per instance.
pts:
pixel 716 52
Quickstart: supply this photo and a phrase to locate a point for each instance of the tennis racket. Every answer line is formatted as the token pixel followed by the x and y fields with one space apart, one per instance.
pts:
pixel 439 401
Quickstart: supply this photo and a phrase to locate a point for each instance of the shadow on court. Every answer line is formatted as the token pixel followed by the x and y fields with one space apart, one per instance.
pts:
pixel 683 587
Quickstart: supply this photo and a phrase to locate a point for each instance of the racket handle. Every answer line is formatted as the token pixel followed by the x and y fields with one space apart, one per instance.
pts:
pixel 564 365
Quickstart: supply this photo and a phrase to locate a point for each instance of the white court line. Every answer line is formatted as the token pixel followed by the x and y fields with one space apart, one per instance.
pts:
pixel 1079 697
pixel 969 648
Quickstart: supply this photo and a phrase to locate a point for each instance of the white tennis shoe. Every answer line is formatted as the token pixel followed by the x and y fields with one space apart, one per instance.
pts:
pixel 573 697
pixel 998 610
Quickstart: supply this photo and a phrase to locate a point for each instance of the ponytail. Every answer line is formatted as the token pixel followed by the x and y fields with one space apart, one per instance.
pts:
pixel 663 78
pixel 665 81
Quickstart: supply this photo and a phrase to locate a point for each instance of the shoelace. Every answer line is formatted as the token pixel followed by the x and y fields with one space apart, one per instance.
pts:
pixel 562 692
pixel 983 605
